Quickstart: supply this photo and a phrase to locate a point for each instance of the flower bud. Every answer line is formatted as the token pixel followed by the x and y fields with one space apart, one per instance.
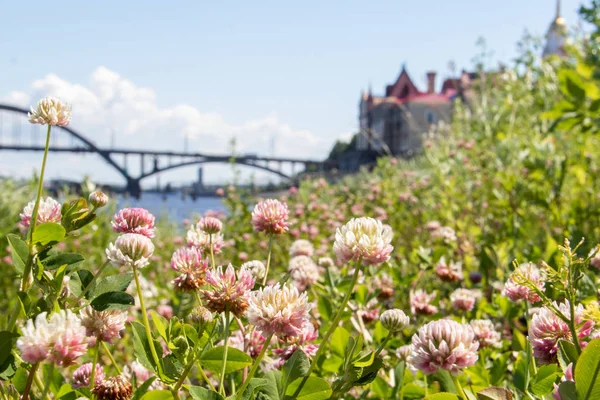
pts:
pixel 210 225
pixel 98 199
pixel 394 320
pixel 201 315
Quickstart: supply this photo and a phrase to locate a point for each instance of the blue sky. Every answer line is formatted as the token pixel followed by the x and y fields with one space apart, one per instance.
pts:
pixel 302 64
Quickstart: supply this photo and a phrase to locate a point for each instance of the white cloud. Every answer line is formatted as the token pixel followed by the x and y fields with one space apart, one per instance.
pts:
pixel 111 104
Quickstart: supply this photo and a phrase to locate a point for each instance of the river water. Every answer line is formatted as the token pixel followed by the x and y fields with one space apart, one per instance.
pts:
pixel 172 205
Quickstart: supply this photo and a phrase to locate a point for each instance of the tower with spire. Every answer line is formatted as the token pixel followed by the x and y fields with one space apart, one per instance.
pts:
pixel 556 36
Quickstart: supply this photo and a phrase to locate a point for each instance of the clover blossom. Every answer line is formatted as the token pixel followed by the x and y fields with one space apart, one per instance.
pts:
pixel 82 375
pixel 103 325
pixel 60 339
pixel 547 329
pixel 48 211
pixel 189 263
pixel 365 238
pixel 270 216
pixel 230 290
pixel 50 111
pixel 278 310
pixel 130 250
pixel 516 290
pixel 444 344
pixel 134 220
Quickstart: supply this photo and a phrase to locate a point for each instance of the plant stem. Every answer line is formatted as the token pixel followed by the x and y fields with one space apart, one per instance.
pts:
pixel 212 253
pixel 94 279
pixel 332 327
pixel 240 392
pixel 48 381
pixel 184 374
pixel 203 375
pixel 14 317
pixel 264 282
pixel 32 372
pixel 459 388
pixel 112 359
pixel 34 215
pixel 145 318
pixel 94 362
pixel 382 345
pixel 226 340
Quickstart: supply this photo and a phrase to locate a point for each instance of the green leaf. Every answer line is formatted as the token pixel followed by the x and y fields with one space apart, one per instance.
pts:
pixel 158 395
pixel 498 369
pixel 20 379
pixel 587 372
pixel 254 385
pixel 64 390
pixel 112 300
pixel 399 378
pixel 113 283
pixel 159 323
pixel 325 309
pixel 567 354
pixel 567 390
pixel 20 252
pixel 7 339
pixel 58 260
pixel 369 373
pixel 141 347
pixel 314 389
pixel 445 379
pixel 365 360
pixel 442 396
pixel 48 232
pixel 494 393
pixel 295 367
pixel 412 392
pixel 273 387
pixel 543 382
pixel 521 373
pixel 338 341
pixel 200 393
pixel 140 391
pixel 212 359
pixel 8 368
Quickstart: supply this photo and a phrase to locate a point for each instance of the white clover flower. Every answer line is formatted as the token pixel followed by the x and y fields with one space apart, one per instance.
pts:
pixel 257 268
pixel 50 111
pixel 129 250
pixel 394 320
pixel 365 238
pixel 278 310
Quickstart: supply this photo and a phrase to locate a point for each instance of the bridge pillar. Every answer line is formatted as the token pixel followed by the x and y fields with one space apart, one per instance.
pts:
pixel 133 187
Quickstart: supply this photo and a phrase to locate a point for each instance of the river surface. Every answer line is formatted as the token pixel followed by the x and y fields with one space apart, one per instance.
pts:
pixel 172 205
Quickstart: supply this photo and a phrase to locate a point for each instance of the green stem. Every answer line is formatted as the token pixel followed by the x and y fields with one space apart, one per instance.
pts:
pixel 145 317
pixel 32 372
pixel 530 357
pixel 264 282
pixel 459 388
pixel 94 279
pixel 48 381
pixel 240 392
pixel 94 362
pixel 382 345
pixel 203 375
pixel 34 215
pixel 184 374
pixel 333 326
pixel 14 317
pixel 112 359
pixel 226 340
pixel 212 253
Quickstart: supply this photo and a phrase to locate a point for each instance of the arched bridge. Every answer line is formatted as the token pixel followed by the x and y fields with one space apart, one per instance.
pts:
pixel 117 158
